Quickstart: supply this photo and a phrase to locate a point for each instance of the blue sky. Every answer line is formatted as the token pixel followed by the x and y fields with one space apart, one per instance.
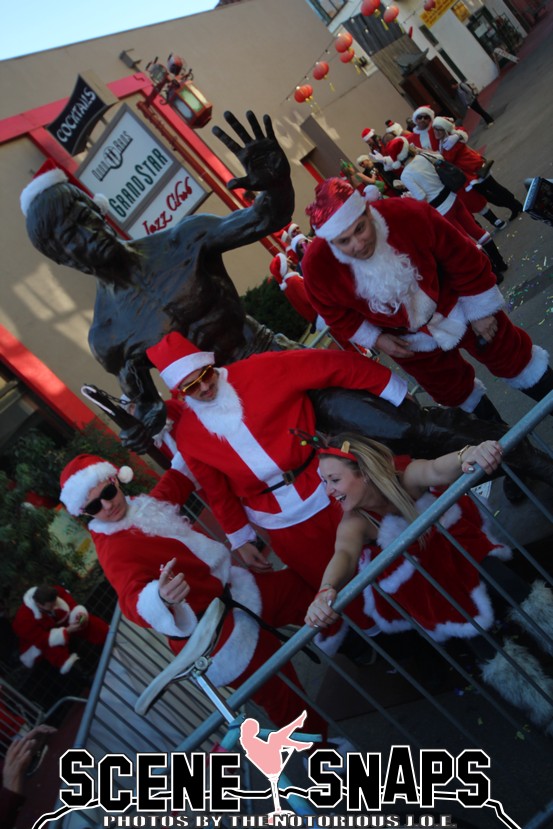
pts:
pixel 34 25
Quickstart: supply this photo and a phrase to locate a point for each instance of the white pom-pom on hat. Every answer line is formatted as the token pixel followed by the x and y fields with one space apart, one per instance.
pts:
pixel 125 475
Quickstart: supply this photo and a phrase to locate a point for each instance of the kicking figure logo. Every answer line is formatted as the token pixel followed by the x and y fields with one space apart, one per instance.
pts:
pixel 271 755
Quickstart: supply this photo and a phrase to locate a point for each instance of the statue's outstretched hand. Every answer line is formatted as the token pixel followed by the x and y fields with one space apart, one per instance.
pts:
pixel 149 420
pixel 261 156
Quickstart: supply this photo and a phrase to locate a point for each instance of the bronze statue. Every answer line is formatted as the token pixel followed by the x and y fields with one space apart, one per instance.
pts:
pixel 176 280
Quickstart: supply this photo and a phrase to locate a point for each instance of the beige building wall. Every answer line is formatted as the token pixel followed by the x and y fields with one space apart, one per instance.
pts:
pixel 249 55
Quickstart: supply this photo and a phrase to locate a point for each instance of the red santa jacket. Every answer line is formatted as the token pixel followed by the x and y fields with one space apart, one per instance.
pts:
pixel 457 284
pixel 133 551
pixel 235 469
pixel 38 631
pixel 464 157
pixel 294 291
pixel 425 139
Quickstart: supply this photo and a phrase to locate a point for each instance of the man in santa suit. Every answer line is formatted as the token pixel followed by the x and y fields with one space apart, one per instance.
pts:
pixel 291 283
pixel 423 134
pixel 397 276
pixel 166 574
pixel 48 623
pixel 235 435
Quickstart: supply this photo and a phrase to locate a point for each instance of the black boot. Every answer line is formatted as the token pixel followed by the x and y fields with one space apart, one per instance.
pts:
pixel 542 387
pixel 492 252
pixel 515 210
pixel 494 220
pixel 487 411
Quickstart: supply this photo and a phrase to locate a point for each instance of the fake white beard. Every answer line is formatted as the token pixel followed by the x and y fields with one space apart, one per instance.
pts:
pixel 387 278
pixel 221 416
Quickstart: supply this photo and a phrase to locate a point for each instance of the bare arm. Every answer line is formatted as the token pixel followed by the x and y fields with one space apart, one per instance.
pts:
pixel 350 538
pixel 420 474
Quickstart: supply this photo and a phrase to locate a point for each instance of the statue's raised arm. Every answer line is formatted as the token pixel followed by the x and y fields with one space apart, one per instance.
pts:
pixel 267 172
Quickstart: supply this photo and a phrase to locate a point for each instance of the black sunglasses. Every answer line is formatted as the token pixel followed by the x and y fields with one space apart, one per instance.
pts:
pixel 107 494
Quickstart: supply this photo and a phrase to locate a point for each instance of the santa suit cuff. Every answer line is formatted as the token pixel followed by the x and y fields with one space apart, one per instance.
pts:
pixel 180 620
pixel 478 306
pixel 395 391
pixel 79 612
pixel 58 637
pixel 366 335
pixel 241 536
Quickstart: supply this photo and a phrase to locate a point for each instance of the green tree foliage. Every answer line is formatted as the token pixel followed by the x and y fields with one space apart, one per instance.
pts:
pixel 269 306
pixel 29 554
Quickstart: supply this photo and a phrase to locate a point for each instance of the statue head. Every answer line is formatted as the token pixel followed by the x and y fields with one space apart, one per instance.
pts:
pixel 67 226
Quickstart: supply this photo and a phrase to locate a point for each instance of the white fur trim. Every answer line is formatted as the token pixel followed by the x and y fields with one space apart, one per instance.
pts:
pixel 465 630
pixel 343 218
pixel 68 664
pixel 448 331
pixel 76 488
pixel 78 611
pixel 57 637
pixel 38 185
pixel 419 306
pixel 366 335
pixel 222 416
pixel 102 202
pixel 532 372
pixel 478 306
pixel 181 621
pixel 474 398
pixel 513 686
pixel 423 110
pixel 331 644
pixel 404 152
pixel 395 390
pixel 420 341
pixel 389 163
pixel 241 536
pixel 125 474
pixel 442 123
pixel 30 656
pixel 181 368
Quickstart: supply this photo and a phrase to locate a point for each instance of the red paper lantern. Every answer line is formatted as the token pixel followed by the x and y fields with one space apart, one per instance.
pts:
pixel 343 42
pixel 299 95
pixel 368 7
pixel 320 70
pixel 429 5
pixel 390 14
pixel 348 56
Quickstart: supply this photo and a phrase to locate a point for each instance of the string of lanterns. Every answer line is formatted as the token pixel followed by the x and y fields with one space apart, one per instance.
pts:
pixel 343 45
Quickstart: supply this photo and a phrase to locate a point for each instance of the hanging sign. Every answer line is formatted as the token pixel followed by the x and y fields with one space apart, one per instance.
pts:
pixel 88 102
pixel 134 171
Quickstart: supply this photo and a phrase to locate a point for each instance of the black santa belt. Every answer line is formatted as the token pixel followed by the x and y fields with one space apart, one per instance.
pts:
pixel 231 603
pixel 290 476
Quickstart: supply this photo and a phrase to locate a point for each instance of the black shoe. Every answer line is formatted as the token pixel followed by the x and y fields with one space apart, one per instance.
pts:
pixel 515 211
pixel 512 492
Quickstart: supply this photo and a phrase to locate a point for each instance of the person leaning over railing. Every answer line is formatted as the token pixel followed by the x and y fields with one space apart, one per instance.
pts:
pixel 380 495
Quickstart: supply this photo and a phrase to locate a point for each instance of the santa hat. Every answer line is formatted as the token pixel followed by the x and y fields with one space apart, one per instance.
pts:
pixel 397 151
pixel 424 110
pixel 361 158
pixel 443 123
pixel 301 237
pixel 367 134
pixel 372 193
pixel 337 205
pixel 48 176
pixel 291 227
pixel 393 127
pixel 82 474
pixel 175 357
pixel 279 267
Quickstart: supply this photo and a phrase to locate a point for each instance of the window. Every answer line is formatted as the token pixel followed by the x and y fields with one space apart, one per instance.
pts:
pixel 327 9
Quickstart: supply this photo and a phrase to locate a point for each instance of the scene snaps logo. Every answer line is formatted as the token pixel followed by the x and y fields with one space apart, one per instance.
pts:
pixel 156 789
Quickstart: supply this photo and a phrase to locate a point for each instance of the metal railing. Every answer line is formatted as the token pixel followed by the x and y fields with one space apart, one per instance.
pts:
pixel 461 712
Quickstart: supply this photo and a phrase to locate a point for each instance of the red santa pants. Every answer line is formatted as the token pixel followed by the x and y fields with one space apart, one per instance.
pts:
pixel 285 599
pixel 448 377
pixel 459 216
